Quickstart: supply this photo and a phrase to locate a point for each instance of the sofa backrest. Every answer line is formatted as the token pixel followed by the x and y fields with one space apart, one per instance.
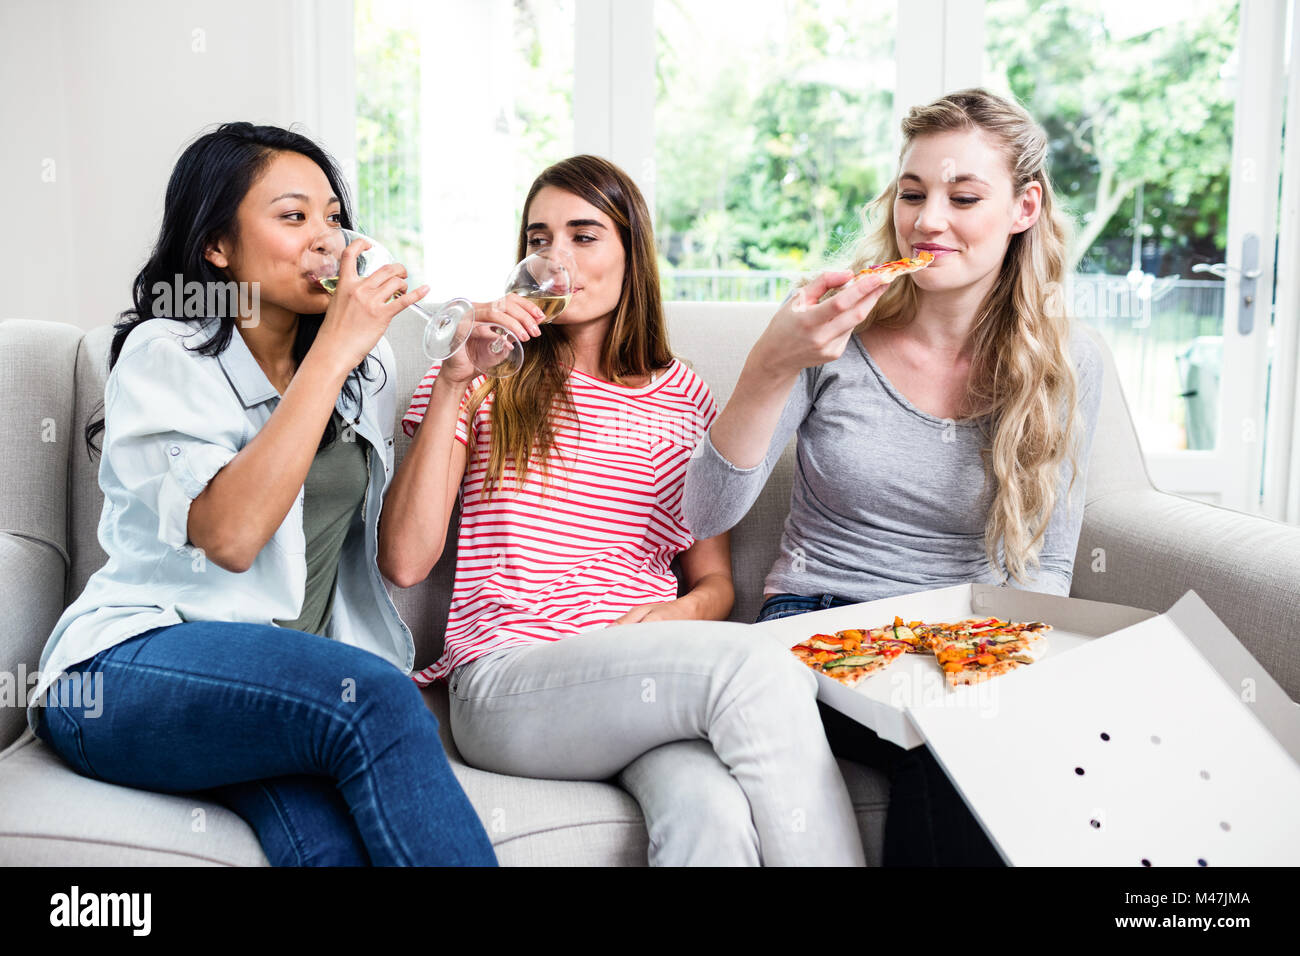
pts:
pixel 85 500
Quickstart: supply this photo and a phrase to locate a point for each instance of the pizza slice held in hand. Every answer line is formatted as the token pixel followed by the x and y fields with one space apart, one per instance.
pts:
pixel 889 271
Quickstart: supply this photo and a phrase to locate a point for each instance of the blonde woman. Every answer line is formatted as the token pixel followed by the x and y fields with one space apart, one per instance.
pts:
pixel 943 420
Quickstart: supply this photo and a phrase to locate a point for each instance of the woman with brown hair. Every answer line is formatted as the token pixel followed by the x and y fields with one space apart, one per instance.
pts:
pixel 943 419
pixel 568 653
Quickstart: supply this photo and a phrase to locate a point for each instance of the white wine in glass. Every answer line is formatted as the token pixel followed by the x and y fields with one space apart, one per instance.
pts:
pixel 546 278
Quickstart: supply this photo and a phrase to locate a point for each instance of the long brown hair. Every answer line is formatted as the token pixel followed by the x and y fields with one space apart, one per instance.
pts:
pixel 1021 375
pixel 635 345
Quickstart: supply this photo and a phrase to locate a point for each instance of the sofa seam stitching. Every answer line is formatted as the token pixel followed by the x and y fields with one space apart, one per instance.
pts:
pixel 131 846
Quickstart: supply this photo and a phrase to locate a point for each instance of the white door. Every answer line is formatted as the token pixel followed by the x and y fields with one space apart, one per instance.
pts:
pixel 1151 108
pixel 1230 472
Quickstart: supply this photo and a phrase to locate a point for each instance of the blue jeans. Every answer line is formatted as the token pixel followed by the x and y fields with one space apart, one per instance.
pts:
pixel 928 823
pixel 326 750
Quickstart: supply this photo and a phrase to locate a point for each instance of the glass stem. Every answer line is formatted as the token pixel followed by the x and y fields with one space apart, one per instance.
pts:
pixel 421 310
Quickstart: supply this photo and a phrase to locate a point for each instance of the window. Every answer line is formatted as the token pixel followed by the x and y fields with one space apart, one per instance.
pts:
pixel 1138 101
pixel 768 145
pixel 772 130
pixel 758 130
pixel 460 104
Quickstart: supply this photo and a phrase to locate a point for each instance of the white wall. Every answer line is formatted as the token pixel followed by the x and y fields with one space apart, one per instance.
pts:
pixel 98 99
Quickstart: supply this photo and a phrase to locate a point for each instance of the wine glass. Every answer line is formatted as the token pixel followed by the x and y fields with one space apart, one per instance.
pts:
pixel 448 328
pixel 546 278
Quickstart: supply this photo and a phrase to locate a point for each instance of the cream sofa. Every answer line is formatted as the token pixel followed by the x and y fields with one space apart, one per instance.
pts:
pixel 1157 546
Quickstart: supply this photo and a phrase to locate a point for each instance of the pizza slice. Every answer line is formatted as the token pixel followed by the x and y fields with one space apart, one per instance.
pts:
pixel 852 669
pixel 969 663
pixel 889 271
pixel 973 655
pixel 845 656
pixel 975 628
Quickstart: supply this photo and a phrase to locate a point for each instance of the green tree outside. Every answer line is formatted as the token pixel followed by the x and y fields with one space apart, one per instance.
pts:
pixel 769 168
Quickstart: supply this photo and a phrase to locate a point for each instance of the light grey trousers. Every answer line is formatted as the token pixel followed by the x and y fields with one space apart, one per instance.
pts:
pixel 713 729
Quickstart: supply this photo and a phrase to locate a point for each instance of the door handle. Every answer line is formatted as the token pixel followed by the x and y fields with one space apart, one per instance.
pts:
pixel 1221 269
pixel 1249 273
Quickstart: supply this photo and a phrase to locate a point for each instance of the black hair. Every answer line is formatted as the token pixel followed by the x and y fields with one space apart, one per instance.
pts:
pixel 209 182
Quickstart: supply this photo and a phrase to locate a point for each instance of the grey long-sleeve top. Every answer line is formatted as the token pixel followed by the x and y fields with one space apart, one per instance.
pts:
pixel 887 499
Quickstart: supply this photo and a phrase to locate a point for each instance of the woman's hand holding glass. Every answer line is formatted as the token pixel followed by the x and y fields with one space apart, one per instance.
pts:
pixel 361 307
pixel 512 314
pixel 538 289
pixel 460 334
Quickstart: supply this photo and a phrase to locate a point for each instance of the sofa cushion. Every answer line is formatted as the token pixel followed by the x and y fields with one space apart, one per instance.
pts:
pixel 85 499
pixel 36 404
pixel 53 816
pixel 546 822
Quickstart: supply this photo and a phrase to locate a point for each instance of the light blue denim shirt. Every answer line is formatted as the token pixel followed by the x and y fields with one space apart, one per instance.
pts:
pixel 172 419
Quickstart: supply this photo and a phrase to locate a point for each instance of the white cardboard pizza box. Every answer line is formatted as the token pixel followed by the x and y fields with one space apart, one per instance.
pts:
pixel 1161 743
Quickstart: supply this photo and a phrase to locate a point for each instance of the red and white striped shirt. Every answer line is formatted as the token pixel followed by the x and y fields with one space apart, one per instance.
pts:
pixel 593 541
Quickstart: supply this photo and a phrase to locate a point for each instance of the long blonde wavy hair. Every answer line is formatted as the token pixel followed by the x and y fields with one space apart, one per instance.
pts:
pixel 1022 379
pixel 636 344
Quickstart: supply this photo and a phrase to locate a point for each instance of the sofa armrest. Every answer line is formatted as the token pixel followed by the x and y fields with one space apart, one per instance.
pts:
pixel 1145 548
pixel 38 373
pixel 31 593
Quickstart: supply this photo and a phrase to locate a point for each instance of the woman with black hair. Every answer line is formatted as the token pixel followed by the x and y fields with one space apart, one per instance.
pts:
pixel 239 642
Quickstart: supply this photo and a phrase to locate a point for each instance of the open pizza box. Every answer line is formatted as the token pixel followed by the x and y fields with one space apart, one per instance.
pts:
pixel 1137 739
